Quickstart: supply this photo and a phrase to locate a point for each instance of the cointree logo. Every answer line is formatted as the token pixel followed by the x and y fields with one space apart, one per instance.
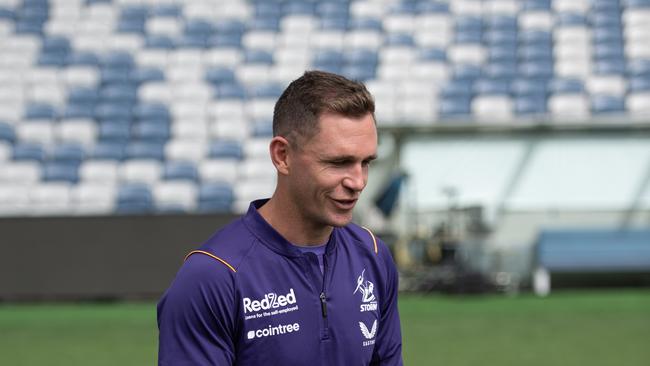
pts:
pixel 271 331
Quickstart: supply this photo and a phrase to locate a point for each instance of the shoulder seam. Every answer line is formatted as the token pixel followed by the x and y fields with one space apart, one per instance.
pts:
pixel 374 240
pixel 211 256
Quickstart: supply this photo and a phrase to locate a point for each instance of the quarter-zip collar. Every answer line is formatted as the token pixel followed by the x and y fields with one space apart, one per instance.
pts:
pixel 268 236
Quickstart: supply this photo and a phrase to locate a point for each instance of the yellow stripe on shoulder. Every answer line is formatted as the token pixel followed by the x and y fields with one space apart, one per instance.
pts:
pixel 211 256
pixel 374 240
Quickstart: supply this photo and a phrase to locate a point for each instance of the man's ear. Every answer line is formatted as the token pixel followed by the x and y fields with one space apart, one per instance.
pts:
pixel 279 149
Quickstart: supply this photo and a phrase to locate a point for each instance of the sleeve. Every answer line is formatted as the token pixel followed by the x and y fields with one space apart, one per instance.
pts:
pixel 388 348
pixel 197 315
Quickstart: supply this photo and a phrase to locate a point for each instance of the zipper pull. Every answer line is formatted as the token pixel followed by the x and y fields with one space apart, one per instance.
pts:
pixel 323 304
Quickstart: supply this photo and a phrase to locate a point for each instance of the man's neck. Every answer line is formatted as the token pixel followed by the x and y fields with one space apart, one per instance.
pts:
pixel 285 219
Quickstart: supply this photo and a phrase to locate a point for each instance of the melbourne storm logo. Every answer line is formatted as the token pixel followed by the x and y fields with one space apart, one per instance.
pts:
pixel 366 289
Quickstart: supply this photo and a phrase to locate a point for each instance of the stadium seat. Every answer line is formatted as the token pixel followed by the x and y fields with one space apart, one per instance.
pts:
pixel 180 170
pixel 7 132
pixel 93 198
pixel 99 171
pixel 61 172
pixel 28 151
pixel 134 199
pixel 149 149
pixel 603 104
pixel 215 197
pixel 174 196
pixel 50 198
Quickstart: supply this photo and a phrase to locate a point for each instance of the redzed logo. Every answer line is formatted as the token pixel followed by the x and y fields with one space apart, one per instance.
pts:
pixel 269 301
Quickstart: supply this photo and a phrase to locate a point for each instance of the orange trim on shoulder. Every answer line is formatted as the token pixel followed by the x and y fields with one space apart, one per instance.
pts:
pixel 212 256
pixel 374 241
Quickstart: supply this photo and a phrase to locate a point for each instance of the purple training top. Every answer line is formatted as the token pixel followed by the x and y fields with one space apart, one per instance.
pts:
pixel 249 297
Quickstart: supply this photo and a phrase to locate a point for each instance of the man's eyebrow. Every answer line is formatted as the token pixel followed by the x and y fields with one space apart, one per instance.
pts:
pixel 348 158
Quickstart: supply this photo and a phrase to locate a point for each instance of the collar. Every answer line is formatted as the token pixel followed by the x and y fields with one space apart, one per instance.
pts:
pixel 268 236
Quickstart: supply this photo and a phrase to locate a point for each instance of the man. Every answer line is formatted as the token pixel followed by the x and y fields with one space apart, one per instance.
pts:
pixel 293 282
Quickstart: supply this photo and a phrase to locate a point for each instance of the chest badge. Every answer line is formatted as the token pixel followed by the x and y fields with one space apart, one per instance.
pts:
pixel 367 291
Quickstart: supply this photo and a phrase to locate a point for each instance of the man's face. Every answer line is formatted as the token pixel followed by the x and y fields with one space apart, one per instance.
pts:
pixel 330 170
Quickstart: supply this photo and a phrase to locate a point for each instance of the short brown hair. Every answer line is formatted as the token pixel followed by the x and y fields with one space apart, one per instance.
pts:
pixel 298 109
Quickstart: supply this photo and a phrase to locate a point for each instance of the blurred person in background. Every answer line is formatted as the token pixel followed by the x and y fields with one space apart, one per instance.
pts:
pixel 293 281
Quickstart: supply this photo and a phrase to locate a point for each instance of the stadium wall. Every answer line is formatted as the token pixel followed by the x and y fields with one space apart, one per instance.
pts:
pixel 97 258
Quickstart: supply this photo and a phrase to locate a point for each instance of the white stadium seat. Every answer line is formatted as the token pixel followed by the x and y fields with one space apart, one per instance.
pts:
pixel 99 171
pixel 51 198
pixel 140 171
pixel 219 170
pixel 175 195
pixel 91 198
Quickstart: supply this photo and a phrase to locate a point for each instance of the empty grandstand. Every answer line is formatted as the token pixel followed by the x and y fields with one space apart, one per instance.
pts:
pixel 536 111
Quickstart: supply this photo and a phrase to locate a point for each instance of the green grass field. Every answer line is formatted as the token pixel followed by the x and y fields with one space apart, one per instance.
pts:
pixel 567 328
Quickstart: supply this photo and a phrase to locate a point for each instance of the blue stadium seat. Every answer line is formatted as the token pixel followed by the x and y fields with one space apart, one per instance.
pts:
pixel 605 6
pixel 636 3
pixel 536 53
pixel 360 56
pixel 492 86
pixel 463 36
pixel 537 5
pixel 225 40
pixel 432 7
pixel 145 150
pixel 51 59
pixel 468 23
pixel 608 67
pixel 334 23
pixel 114 131
pixel 32 27
pixel 151 111
pixel 502 53
pixel 83 58
pixel 199 28
pixel 180 170
pixel 230 26
pixel 566 85
pixel 365 23
pixel 83 95
pixel 134 12
pixel 7 132
pixel 403 7
pixel 332 9
pixel 536 69
pixel 258 56
pixel 639 83
pixel 327 66
pixel 114 110
pixel 159 41
pixel 216 197
pixel 266 90
pixel 528 87
pixel 298 8
pixel 7 13
pixel 79 110
pixel 28 151
pixel 455 107
pixel 571 19
pixel 117 60
pixel 606 35
pixel 117 75
pixel 57 171
pixel 638 67
pixel 263 128
pixel 500 38
pixel 134 199
pixel 503 23
pixel 230 91
pixel 535 37
pixel 131 26
pixel 466 71
pixel 40 111
pixel 432 54
pixel 166 10
pixel 267 9
pixel 67 153
pixel 264 23
pixel 326 56
pixel 119 94
pixel 609 18
pixel 108 151
pixel 151 131
pixel 461 88
pixel 602 104
pixel 501 70
pixel 147 74
pixel 530 104
pixel 359 72
pixel 226 149
pixel 220 75
pixel 399 39
pixel 608 51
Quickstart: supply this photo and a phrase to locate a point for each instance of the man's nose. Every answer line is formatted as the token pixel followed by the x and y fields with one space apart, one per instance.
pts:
pixel 356 178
